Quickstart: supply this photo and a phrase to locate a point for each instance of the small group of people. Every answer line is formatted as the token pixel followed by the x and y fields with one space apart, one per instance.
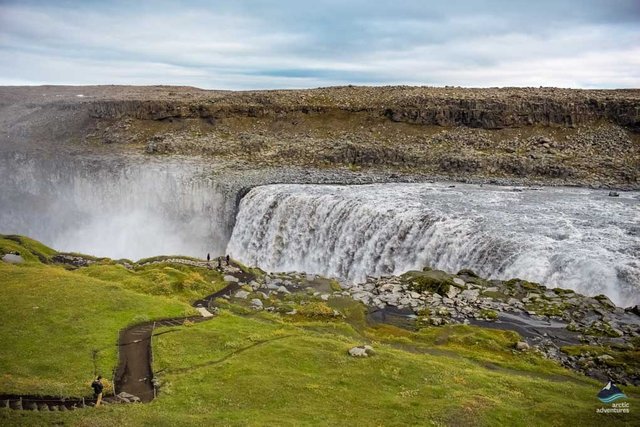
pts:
pixel 227 258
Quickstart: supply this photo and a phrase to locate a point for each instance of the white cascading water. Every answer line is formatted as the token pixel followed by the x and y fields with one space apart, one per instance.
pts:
pixel 120 208
pixel 566 237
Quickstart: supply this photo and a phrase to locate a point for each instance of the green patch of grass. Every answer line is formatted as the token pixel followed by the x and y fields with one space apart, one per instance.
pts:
pixel 498 296
pixel 488 314
pixel 177 280
pixel 353 312
pixel 256 368
pixel 260 371
pixel 29 249
pixel 627 357
pixel 433 281
pixel 316 310
pixel 602 329
pixel 335 285
pixel 161 258
pixel 544 308
pixel 53 321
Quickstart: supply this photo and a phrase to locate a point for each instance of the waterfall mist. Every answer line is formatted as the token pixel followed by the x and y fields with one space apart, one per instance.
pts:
pixel 565 237
pixel 120 208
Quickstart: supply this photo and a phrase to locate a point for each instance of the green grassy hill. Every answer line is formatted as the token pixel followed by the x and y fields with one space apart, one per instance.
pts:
pixel 248 367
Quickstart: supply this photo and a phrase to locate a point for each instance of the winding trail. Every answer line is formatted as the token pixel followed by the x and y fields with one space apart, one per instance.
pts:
pixel 134 374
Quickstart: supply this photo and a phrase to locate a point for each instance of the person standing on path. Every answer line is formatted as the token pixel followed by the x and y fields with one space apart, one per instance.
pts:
pixel 219 263
pixel 97 390
pixel 208 257
pixel 227 259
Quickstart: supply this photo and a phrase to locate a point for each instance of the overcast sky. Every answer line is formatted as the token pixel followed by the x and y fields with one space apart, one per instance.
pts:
pixel 236 44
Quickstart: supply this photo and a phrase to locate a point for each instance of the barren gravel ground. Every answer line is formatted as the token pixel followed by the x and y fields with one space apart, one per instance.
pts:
pixel 555 136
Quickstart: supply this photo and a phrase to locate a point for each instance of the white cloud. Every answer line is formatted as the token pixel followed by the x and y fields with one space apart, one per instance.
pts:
pixel 241 48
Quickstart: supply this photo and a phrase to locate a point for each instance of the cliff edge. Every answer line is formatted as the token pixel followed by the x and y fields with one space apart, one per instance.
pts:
pixel 550 135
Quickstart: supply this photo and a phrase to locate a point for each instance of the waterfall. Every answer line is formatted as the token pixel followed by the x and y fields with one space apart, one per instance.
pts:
pixel 561 237
pixel 120 208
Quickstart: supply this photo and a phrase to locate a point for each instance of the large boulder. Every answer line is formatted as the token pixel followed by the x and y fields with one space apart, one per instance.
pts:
pixel 469 294
pixel 361 351
pixel 13 259
pixel 430 281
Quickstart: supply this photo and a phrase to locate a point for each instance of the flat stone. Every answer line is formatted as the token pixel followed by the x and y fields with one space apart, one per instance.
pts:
pixel 452 292
pixel 12 259
pixel 605 301
pixel 283 290
pixel 230 278
pixel 130 397
pixel 242 294
pixel 458 281
pixel 204 312
pixel 257 304
pixel 470 294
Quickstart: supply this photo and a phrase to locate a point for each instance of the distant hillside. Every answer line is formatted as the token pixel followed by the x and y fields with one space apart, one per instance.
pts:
pixel 562 136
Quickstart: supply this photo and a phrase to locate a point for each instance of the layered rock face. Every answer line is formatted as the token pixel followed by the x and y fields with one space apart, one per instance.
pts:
pixel 563 136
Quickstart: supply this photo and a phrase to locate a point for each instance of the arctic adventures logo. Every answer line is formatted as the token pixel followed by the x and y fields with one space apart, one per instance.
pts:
pixel 609 394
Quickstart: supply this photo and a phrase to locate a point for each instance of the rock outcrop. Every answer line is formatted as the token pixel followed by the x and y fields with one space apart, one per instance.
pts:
pixel 586 334
pixel 588 137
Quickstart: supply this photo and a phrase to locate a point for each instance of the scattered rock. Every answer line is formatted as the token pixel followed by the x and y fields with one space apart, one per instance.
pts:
pixel 361 351
pixel 73 260
pixel 125 397
pixel 522 346
pixel 241 294
pixel 230 278
pixel 12 259
pixel 204 312
pixel 452 292
pixel 470 294
pixel 458 281
pixel 256 304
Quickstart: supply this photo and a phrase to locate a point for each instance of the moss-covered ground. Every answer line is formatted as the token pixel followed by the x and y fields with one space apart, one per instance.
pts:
pixel 257 368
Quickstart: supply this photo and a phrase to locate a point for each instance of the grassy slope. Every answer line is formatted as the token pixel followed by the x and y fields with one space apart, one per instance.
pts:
pixel 54 319
pixel 260 370
pixel 266 369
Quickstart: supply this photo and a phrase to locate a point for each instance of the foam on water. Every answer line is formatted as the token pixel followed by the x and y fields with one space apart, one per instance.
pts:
pixel 568 237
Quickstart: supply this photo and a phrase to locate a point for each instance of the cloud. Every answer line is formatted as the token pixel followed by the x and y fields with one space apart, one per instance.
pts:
pixel 285 44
